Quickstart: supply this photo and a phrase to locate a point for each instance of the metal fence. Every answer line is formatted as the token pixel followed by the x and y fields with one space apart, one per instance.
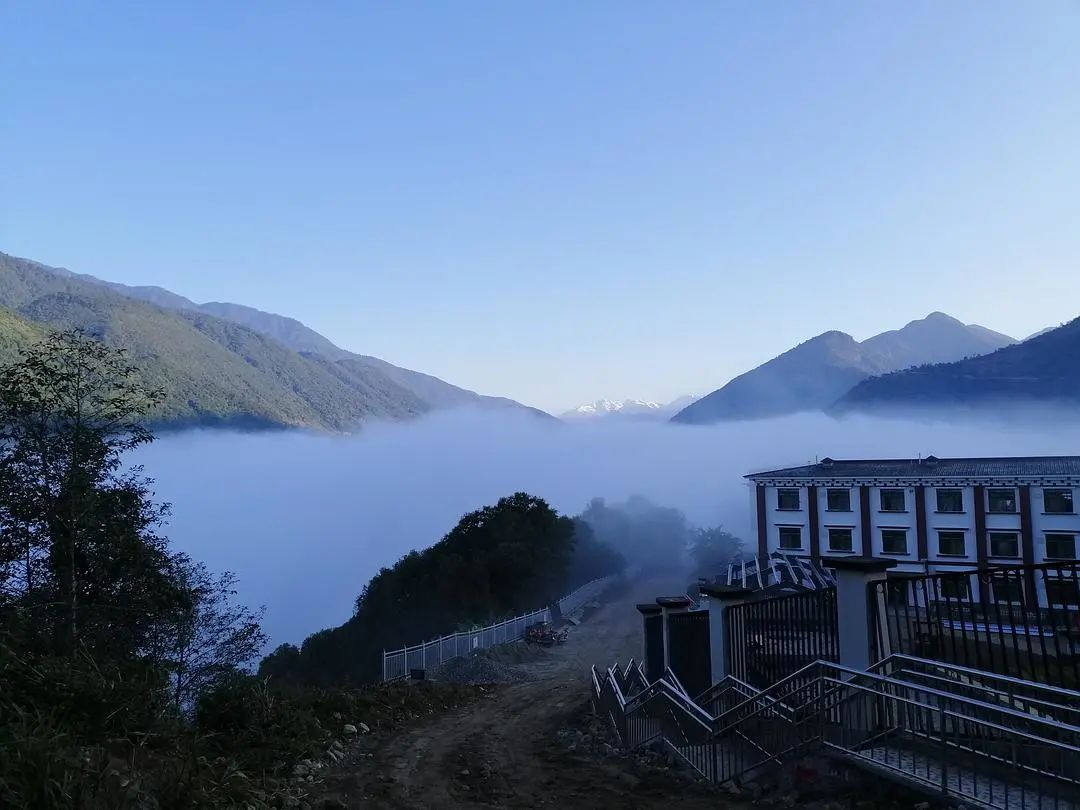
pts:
pixel 772 638
pixel 966 739
pixel 1020 621
pixel 427 655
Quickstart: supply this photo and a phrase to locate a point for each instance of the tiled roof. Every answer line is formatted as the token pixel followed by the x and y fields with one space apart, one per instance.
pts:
pixel 931 467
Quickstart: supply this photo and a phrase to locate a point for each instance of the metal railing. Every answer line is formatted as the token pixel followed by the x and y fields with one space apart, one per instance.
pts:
pixel 1022 621
pixel 959 737
pixel 772 638
pixel 397 664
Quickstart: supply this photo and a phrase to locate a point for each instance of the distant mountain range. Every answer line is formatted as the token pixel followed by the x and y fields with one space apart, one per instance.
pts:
pixel 222 364
pixel 1043 370
pixel 815 374
pixel 640 409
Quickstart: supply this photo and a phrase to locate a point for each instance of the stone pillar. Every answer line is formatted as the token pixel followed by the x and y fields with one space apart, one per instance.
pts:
pixel 647 610
pixel 669 605
pixel 721 597
pixel 853 611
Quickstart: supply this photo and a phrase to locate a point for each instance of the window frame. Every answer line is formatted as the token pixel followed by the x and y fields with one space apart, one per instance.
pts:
pixel 990 544
pixel 1057 536
pixel 937 501
pixel 1062 581
pixel 828 498
pixel 963 536
pixel 851 539
pixel 881 500
pixel 903 533
pixel 1012 582
pixel 781 491
pixel 963 593
pixel 989 501
pixel 780 538
pixel 1072 501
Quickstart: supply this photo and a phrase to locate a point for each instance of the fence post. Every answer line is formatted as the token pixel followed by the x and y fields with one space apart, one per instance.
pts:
pixel 721 597
pixel 853 613
pixel 669 605
pixel 647 610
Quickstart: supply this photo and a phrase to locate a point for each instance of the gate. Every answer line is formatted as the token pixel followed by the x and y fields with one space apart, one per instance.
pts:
pixel 654 647
pixel 1022 621
pixel 770 639
pixel 688 650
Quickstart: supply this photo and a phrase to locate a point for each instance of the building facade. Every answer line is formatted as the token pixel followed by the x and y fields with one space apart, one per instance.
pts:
pixel 930 515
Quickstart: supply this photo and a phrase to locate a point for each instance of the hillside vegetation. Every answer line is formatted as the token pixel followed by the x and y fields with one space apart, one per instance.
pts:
pixel 817 372
pixel 293 334
pixel 497 562
pixel 214 371
pixel 1043 370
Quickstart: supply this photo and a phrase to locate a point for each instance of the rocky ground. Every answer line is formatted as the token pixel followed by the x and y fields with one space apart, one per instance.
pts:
pixel 530 741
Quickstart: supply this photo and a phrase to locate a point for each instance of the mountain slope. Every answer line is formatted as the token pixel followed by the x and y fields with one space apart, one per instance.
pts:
pixel 436 393
pixel 818 372
pixel 1041 370
pixel 214 371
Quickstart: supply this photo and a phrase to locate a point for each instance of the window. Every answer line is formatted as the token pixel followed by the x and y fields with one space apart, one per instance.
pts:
pixel 1008 589
pixel 892 500
pixel 893 541
pixel 1060 547
pixel 790 537
pixel 1001 501
pixel 787 500
pixel 838 500
pixel 950 500
pixel 951 544
pixel 1004 544
pixel 840 540
pixel 953 586
pixel 1058 501
pixel 1062 592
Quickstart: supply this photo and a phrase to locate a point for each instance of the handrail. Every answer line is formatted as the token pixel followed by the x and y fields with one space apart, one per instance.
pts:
pixel 967 718
pixel 803 711
pixel 1018 698
pixel 983 674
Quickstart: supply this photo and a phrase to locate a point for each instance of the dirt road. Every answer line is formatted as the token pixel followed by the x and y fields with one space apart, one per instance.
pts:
pixel 505 750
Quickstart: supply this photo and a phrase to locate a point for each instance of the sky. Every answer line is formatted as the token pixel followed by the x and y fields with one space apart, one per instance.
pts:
pixel 556 202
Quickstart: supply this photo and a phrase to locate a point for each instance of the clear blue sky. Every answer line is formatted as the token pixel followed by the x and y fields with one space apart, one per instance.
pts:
pixel 557 201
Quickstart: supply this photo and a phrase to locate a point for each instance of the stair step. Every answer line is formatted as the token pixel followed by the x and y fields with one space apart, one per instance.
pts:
pixel 985 787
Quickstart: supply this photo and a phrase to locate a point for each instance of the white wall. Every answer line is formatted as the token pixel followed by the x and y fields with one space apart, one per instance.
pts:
pixel 778 517
pixel 839 520
pixel 893 520
pixel 1041 523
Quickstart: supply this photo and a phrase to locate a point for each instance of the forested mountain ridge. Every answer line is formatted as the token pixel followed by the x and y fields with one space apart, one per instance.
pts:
pixel 215 370
pixel 289 332
pixel 816 373
pixel 1043 370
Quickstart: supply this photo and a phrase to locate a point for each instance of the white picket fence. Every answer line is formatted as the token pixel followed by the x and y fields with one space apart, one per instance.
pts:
pixel 397 663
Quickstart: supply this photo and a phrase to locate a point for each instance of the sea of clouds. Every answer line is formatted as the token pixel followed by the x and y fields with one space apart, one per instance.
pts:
pixel 305 520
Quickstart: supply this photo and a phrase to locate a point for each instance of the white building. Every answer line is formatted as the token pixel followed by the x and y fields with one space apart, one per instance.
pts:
pixel 931 515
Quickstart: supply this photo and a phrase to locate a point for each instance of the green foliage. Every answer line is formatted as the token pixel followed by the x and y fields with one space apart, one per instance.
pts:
pixel 654 537
pixel 711 550
pixel 497 562
pixel 106 636
pixel 592 558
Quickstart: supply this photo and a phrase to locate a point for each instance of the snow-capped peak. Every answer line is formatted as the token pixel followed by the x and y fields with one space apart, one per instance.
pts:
pixel 610 407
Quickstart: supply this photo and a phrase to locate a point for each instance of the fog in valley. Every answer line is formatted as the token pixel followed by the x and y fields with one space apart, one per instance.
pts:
pixel 305 520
